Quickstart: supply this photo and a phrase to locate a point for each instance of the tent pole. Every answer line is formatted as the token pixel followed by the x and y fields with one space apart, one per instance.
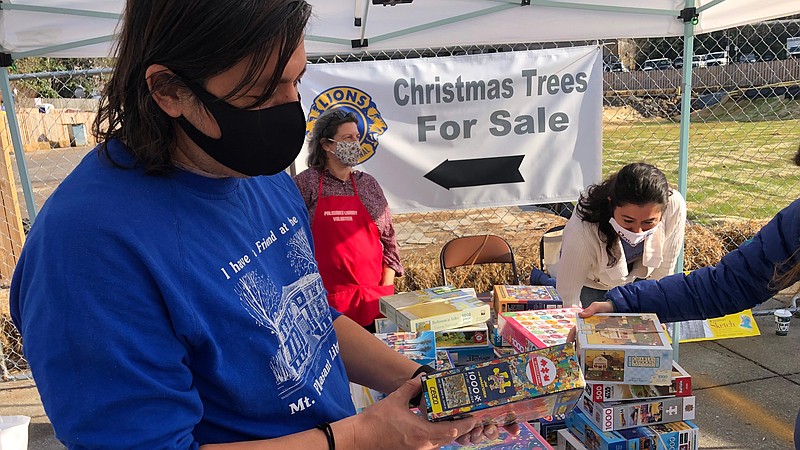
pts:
pixel 16 140
pixel 683 155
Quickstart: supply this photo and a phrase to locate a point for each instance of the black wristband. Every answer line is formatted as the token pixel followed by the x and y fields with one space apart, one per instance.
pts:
pixel 414 402
pixel 423 369
pixel 326 428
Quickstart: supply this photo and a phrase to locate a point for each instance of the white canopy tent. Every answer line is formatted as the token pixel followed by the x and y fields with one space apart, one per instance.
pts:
pixel 85 28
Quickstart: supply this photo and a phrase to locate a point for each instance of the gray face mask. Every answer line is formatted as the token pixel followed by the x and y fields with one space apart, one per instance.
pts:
pixel 348 152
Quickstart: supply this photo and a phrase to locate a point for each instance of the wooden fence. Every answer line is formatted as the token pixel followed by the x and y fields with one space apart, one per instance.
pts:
pixel 731 76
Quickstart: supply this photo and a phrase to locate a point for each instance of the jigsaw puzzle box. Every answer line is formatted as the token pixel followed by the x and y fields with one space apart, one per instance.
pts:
pixel 613 416
pixel 517 388
pixel 681 387
pixel 529 330
pixel 568 441
pixel 434 309
pixel 527 439
pixel 591 436
pixel 468 336
pixel 624 349
pixel 508 297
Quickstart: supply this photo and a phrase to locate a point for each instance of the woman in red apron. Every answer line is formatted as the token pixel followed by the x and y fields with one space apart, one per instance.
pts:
pixel 354 239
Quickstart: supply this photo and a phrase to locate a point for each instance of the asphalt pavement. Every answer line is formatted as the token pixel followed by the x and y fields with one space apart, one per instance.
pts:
pixel 747 390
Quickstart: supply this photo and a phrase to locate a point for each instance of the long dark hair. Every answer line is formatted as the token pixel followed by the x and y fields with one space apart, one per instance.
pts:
pixel 637 184
pixel 196 39
pixel 325 127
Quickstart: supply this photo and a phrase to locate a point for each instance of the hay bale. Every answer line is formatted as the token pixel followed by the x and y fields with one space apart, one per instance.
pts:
pixel 702 247
pixel 733 233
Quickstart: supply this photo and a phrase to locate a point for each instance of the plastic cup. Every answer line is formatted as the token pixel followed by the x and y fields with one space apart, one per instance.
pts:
pixel 782 319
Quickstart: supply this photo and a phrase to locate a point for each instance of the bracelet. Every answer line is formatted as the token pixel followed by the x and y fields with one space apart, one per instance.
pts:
pixel 325 427
pixel 423 368
pixel 414 402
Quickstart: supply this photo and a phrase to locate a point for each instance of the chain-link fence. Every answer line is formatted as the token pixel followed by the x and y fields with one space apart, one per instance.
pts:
pixel 744 132
pixel 55 111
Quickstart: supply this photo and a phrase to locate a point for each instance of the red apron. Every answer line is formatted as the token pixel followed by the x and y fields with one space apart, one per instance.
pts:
pixel 349 254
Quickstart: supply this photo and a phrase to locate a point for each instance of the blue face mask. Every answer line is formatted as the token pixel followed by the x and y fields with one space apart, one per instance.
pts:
pixel 254 141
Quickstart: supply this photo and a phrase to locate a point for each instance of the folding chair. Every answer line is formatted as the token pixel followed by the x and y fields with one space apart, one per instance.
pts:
pixel 472 250
pixel 550 250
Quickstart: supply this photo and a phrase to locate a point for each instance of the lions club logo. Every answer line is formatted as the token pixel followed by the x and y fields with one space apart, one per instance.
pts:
pixel 370 123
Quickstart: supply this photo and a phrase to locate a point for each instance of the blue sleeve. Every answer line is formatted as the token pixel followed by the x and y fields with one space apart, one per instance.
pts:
pixel 741 280
pixel 91 317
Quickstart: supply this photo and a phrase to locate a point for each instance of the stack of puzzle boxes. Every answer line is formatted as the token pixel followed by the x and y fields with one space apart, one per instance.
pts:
pixel 530 318
pixel 459 319
pixel 528 330
pixel 636 396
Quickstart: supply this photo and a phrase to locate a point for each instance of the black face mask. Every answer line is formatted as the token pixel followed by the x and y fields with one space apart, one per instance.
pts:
pixel 254 141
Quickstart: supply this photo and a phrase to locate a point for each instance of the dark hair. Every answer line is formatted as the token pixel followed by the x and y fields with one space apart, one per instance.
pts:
pixel 325 127
pixel 197 39
pixel 637 184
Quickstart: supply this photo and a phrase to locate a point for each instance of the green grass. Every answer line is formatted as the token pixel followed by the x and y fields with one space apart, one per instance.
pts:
pixel 737 168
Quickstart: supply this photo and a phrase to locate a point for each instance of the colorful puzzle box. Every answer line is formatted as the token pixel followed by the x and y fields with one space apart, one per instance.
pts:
pixel 527 439
pixel 681 386
pixel 517 388
pixel 469 336
pixel 591 436
pixel 419 347
pixel 529 330
pixel 612 416
pixel 434 309
pixel 624 349
pixel 509 297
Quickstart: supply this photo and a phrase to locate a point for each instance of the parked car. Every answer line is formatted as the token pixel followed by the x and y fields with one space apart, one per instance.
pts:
pixel 748 58
pixel 657 64
pixel 697 61
pixel 716 59
pixel 616 66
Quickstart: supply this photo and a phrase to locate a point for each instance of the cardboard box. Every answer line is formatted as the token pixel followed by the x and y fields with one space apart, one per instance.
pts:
pixel 466 356
pixel 529 330
pixel 568 441
pixel 418 347
pixel 443 360
pixel 611 416
pixel 502 352
pixel 624 349
pixel 640 438
pixel 463 337
pixel 434 309
pixel 548 427
pixel 527 439
pixel 517 388
pixel 468 336
pixel 591 436
pixel 682 435
pixel 523 298
pixel 681 386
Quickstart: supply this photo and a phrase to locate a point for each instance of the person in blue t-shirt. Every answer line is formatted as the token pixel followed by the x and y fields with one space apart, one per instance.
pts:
pixel 168 295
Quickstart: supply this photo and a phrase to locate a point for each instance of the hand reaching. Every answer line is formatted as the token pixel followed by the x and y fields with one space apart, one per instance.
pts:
pixel 594 308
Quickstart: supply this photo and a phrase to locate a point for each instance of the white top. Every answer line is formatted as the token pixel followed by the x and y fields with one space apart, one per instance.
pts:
pixel 584 261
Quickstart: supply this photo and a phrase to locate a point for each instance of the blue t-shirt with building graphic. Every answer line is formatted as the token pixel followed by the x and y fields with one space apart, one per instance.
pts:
pixel 173 311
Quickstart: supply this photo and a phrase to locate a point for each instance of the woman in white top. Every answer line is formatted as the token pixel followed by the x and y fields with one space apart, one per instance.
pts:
pixel 627 228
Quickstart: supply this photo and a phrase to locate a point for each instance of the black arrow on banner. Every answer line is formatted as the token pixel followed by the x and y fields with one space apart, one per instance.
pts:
pixel 477 172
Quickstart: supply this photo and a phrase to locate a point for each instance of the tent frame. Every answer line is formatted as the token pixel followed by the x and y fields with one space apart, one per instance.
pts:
pixel 689 15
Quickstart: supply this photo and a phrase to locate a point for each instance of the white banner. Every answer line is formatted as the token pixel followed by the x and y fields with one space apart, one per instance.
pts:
pixel 472 131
